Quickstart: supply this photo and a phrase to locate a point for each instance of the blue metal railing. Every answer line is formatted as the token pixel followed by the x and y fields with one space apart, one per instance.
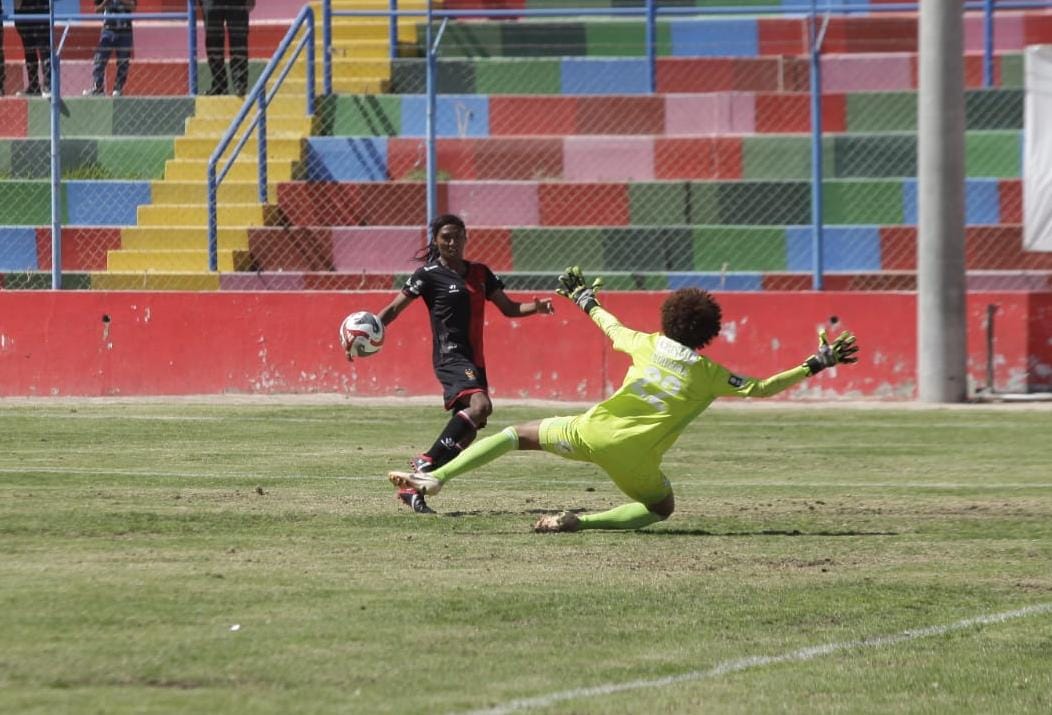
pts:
pixel 260 97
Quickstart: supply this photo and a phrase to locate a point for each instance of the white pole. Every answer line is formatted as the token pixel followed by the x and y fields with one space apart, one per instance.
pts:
pixel 941 327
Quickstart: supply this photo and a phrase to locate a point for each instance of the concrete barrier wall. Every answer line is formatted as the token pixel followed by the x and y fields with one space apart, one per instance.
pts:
pixel 123 343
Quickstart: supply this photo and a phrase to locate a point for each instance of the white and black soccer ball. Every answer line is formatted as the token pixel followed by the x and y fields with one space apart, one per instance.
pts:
pixel 361 334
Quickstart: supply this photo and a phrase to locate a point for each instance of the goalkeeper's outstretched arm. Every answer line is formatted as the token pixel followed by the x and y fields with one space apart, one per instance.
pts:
pixel 842 351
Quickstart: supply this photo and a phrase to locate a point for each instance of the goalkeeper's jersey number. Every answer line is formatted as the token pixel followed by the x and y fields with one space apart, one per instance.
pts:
pixel 656 388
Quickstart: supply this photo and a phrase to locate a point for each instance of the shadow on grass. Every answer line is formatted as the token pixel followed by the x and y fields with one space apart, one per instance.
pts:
pixel 764 532
pixel 673 532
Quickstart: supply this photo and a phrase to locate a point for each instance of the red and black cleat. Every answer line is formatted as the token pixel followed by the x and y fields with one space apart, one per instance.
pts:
pixel 415 501
pixel 421 463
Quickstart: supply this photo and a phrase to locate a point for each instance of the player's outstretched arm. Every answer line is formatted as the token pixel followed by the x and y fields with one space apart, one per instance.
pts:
pixel 842 351
pixel 572 286
pixel 512 309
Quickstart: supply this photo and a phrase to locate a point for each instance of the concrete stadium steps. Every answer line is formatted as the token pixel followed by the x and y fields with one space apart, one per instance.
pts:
pixel 101 158
pixel 194 192
pixel 150 280
pixel 598 36
pixel 651 203
pixel 667 114
pixel 127 260
pixel 171 232
pixel 168 77
pixel 646 158
pixel 243 170
pixel 94 117
pixel 343 84
pixel 361 45
pixel 583 75
pixel 283 126
pixel 83 202
pixel 182 238
pixel 83 248
pixel 251 214
pixel 645 250
pixel 201 147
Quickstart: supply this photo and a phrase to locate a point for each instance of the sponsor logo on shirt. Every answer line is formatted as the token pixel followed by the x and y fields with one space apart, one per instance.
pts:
pixel 453 288
pixel 736 381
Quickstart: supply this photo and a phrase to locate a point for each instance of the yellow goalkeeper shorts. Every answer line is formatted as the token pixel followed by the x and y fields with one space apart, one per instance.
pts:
pixel 638 476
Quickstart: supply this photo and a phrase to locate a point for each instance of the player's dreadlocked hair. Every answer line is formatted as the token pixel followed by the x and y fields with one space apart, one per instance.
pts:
pixel 691 317
pixel 429 253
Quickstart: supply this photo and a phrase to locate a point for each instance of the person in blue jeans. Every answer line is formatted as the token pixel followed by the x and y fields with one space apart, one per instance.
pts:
pixel 116 39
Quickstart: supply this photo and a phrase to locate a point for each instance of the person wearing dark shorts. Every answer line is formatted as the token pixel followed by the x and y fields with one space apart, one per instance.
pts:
pixel 455 292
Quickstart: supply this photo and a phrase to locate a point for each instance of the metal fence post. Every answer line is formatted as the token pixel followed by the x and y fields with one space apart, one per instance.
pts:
pixel 817 239
pixel 392 29
pixel 326 39
pixel 651 45
pixel 191 42
pixel 431 189
pixel 988 43
pixel 56 153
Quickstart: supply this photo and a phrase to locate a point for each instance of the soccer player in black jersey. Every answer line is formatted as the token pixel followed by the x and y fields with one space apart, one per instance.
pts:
pixel 455 292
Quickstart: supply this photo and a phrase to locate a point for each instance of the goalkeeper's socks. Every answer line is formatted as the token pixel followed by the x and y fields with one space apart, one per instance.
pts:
pixel 459 430
pixel 481 452
pixel 625 517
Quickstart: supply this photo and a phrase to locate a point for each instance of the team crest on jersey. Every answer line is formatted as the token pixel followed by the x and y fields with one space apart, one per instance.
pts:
pixel 736 381
pixel 469 373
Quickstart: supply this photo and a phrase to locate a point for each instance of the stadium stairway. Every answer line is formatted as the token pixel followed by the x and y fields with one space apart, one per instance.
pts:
pixel 168 246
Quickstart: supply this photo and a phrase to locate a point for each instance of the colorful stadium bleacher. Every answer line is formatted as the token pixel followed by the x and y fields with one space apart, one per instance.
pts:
pixel 550 144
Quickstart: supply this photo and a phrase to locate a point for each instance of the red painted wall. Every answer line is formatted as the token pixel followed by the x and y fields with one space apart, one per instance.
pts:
pixel 55 343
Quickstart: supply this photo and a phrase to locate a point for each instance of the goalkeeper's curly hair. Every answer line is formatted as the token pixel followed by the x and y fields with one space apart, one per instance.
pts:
pixel 691 317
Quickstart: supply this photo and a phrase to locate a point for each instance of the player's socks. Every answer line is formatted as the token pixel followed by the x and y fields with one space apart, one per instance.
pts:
pixel 459 430
pixel 626 516
pixel 481 452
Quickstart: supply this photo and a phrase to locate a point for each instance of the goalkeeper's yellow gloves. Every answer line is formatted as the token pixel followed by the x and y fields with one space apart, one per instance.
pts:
pixel 843 350
pixel 572 286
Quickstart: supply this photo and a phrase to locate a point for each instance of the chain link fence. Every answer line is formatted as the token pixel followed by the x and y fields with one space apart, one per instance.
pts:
pixel 550 145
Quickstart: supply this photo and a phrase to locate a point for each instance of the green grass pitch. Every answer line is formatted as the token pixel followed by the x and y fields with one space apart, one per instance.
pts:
pixel 248 556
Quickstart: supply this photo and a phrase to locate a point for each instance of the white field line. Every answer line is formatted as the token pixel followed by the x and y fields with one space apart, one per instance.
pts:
pixel 757 661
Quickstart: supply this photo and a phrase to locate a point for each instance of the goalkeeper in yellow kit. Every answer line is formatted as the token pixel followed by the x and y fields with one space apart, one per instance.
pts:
pixel 667 386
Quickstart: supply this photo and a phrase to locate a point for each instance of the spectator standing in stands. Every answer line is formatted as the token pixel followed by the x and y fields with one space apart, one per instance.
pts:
pixel 116 39
pixel 226 21
pixel 36 40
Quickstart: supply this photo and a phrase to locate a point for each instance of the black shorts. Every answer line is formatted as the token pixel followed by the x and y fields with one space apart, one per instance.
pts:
pixel 459 377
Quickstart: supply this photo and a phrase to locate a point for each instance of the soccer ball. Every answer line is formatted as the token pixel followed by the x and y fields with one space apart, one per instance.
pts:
pixel 361 334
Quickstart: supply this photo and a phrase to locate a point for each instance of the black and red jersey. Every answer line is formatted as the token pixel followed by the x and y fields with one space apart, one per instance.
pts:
pixel 457 305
